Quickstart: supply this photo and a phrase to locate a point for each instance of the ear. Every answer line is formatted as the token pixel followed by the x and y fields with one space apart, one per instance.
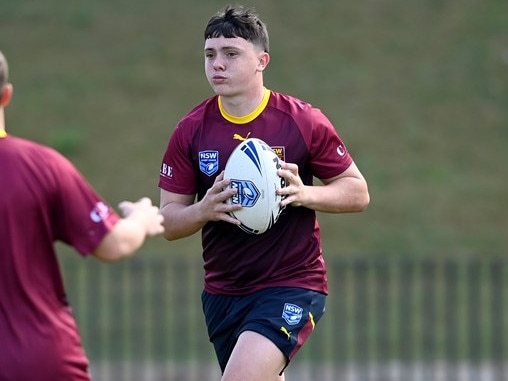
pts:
pixel 6 95
pixel 263 58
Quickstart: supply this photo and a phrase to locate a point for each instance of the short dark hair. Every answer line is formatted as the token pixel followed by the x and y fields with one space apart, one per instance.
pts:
pixel 4 71
pixel 234 22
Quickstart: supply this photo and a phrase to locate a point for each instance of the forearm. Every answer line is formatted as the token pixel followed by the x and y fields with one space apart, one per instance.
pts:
pixel 181 220
pixel 345 195
pixel 184 217
pixel 141 220
pixel 126 237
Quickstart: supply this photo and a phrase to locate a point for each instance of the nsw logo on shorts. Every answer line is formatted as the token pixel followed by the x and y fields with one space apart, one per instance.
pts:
pixel 292 314
pixel 209 162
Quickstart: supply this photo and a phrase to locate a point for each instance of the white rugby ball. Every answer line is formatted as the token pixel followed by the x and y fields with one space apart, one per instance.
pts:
pixel 252 169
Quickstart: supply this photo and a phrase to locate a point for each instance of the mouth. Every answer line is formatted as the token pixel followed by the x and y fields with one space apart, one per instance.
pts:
pixel 218 79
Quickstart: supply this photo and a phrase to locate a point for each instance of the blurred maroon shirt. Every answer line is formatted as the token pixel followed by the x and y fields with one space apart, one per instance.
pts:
pixel 43 198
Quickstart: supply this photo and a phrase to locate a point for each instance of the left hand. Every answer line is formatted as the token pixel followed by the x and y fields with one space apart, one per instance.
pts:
pixel 295 190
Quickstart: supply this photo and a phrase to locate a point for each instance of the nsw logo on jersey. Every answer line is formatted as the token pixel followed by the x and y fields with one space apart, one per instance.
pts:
pixel 209 162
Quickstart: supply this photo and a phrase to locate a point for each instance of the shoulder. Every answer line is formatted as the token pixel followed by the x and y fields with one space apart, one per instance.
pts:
pixel 198 113
pixel 189 126
pixel 302 113
pixel 41 167
pixel 29 150
pixel 293 106
pixel 284 101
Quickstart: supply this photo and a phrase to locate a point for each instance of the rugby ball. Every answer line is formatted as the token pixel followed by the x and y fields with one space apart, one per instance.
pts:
pixel 252 170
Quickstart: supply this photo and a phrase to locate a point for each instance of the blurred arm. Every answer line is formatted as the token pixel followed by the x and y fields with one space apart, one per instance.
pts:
pixel 141 220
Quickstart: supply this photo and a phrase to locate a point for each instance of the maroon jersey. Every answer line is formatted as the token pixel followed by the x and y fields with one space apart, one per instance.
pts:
pixel 43 199
pixel 288 254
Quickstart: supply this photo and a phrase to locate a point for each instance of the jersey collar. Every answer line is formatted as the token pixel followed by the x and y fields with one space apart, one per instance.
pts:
pixel 249 117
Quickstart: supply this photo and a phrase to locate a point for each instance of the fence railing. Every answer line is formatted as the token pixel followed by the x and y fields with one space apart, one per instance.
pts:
pixel 386 319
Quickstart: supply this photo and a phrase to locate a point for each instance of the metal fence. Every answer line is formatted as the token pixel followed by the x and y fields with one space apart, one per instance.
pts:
pixel 386 319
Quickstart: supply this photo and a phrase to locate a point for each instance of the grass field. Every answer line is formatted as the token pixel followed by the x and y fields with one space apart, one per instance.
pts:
pixel 417 89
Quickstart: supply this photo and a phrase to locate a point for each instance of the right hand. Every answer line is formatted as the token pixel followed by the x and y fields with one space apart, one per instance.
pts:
pixel 144 210
pixel 213 204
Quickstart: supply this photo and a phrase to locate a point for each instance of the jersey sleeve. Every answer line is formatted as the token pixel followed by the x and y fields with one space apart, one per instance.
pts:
pixel 81 217
pixel 177 172
pixel 329 154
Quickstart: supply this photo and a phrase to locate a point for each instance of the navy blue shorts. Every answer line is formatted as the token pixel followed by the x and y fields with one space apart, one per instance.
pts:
pixel 284 315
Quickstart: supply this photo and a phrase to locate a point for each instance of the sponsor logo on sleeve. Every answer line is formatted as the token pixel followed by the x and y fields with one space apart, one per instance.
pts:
pixel 99 212
pixel 166 170
pixel 341 150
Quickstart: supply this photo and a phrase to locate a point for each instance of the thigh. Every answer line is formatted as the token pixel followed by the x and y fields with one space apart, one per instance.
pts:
pixel 223 319
pixel 283 316
pixel 254 358
pixel 286 316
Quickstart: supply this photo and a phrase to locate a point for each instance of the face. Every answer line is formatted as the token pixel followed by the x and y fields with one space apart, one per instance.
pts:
pixel 234 66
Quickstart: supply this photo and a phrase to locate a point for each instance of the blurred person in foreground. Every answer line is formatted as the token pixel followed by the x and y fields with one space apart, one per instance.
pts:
pixel 45 199
pixel 263 294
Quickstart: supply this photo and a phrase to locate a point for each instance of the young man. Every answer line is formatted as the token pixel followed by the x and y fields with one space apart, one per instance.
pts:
pixel 263 294
pixel 45 199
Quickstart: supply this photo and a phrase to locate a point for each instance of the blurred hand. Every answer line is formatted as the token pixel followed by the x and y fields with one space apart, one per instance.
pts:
pixel 144 211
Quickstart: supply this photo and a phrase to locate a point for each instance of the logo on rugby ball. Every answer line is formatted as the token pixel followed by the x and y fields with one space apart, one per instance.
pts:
pixel 252 171
pixel 247 193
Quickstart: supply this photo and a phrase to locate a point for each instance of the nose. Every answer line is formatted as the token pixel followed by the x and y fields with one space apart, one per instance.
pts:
pixel 218 64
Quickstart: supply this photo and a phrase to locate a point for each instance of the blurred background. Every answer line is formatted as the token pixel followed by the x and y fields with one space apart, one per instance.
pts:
pixel 418 90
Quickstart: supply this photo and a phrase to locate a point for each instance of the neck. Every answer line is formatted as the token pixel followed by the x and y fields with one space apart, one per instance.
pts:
pixel 244 104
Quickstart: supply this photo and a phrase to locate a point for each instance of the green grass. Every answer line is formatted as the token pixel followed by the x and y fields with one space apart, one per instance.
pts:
pixel 418 90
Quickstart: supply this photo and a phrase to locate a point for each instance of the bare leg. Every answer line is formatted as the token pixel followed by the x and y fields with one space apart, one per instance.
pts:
pixel 254 358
